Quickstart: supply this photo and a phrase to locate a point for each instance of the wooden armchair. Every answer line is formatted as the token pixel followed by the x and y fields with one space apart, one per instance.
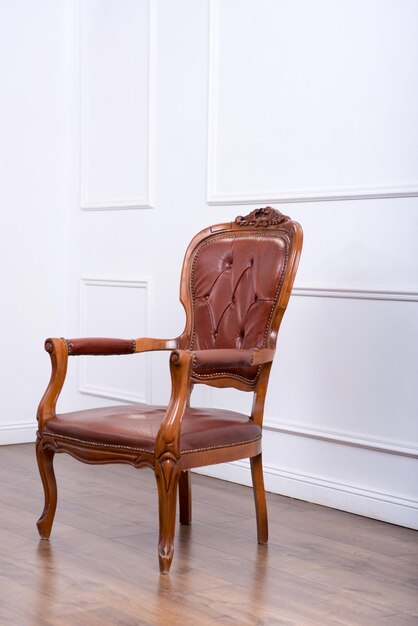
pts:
pixel 235 286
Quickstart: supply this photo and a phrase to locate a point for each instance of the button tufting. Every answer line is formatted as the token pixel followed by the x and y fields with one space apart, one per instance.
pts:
pixel 229 291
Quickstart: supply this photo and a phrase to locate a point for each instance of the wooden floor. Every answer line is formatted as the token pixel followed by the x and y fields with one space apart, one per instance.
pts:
pixel 100 567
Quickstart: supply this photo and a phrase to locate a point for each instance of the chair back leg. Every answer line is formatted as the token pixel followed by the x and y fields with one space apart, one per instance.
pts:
pixel 185 498
pixel 259 498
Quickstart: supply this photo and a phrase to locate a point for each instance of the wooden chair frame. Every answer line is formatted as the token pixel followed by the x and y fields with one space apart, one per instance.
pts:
pixel 170 465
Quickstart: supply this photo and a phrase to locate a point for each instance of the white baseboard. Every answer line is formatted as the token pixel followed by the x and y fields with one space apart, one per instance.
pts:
pixel 381 506
pixel 23 432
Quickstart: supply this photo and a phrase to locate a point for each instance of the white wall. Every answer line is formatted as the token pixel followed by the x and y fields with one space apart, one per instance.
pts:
pixel 316 101
pixel 178 115
pixel 33 236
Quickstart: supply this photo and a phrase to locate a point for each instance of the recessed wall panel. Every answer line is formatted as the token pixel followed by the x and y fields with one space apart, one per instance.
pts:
pixel 346 366
pixel 115 308
pixel 116 120
pixel 312 100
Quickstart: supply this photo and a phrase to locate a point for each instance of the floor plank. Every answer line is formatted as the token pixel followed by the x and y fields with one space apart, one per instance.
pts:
pixel 321 566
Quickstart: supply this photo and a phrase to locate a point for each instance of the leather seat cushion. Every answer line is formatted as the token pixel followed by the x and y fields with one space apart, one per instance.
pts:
pixel 136 426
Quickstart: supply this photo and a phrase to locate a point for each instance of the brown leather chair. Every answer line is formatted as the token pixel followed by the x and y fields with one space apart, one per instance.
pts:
pixel 235 286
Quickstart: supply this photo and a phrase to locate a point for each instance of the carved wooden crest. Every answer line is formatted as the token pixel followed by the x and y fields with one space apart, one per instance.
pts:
pixel 262 218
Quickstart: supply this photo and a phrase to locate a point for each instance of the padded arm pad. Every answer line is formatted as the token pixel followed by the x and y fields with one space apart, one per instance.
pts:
pixel 212 359
pixel 100 346
pixel 104 346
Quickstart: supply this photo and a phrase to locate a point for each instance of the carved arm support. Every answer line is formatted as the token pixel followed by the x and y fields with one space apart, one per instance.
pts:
pixel 58 352
pixel 167 443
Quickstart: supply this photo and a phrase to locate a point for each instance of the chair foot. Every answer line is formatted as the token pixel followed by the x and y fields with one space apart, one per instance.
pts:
pixel 259 498
pixel 45 458
pixel 165 561
pixel 167 475
pixel 185 498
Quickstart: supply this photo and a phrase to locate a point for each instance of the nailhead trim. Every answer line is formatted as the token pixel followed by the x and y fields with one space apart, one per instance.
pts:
pixel 94 443
pixel 117 446
pixel 220 374
pixel 227 445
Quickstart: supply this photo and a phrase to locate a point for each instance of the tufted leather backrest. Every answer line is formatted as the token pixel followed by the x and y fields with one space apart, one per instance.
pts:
pixel 236 279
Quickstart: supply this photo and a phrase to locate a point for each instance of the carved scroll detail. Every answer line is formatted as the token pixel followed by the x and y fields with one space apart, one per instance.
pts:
pixel 262 218
pixel 167 462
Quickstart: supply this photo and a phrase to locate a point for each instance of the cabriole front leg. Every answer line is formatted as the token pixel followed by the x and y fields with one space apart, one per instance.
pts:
pixel 45 458
pixel 167 473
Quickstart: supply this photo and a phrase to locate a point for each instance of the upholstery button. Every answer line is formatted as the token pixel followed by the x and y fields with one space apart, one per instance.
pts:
pixel 255 298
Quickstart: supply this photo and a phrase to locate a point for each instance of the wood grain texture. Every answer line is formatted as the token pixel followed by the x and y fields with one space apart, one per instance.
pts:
pixel 321 566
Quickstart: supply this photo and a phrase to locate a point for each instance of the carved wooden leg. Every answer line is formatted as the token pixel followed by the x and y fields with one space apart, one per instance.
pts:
pixel 259 498
pixel 45 458
pixel 185 498
pixel 167 475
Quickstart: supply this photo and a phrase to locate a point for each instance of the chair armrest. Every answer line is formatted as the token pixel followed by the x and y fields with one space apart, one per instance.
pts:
pixel 60 349
pixel 105 346
pixel 230 358
pixel 182 362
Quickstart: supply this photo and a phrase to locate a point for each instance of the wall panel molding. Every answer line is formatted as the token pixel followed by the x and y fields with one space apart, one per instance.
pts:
pixel 344 438
pixel 311 195
pixel 273 196
pixel 89 203
pixel 388 295
pixel 110 392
